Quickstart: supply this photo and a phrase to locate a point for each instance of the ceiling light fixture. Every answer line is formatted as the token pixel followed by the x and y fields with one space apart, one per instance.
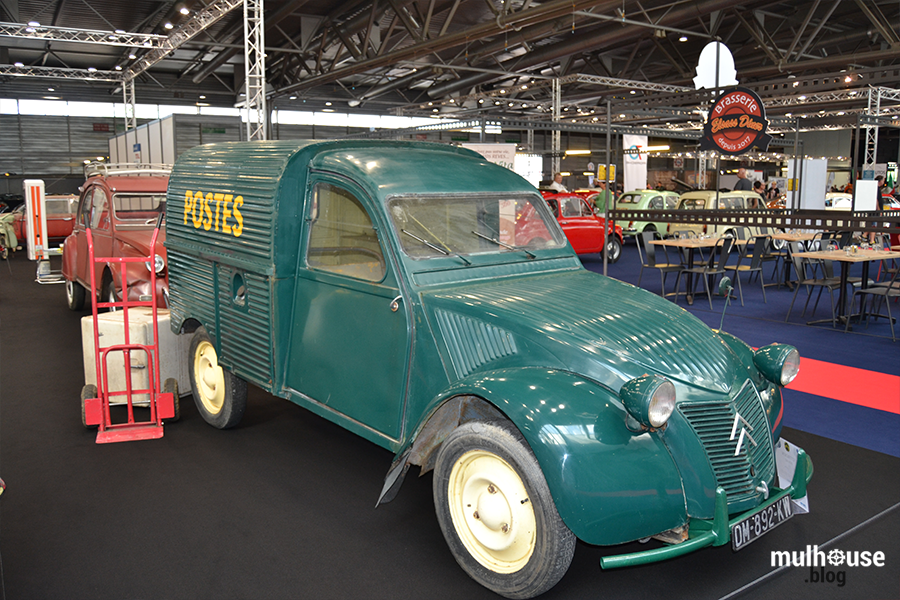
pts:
pixel 184 10
pixel 683 38
pixel 169 26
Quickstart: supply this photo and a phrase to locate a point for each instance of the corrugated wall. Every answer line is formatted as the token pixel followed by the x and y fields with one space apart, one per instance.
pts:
pixel 39 145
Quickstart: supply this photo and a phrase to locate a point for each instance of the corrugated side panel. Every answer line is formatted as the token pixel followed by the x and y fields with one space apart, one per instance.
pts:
pixel 251 172
pixel 712 421
pixel 246 342
pixel 472 343
pixel 193 280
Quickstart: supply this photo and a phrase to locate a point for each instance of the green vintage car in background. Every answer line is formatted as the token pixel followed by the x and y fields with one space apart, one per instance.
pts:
pixel 646 200
pixel 428 301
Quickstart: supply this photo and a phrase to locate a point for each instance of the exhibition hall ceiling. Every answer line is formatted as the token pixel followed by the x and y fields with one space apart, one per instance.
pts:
pixel 466 57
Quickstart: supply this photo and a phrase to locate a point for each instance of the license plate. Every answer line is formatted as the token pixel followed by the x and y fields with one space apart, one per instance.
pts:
pixel 753 526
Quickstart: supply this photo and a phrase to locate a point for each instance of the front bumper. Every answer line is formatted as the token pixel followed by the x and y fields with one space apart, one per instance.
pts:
pixel 719 529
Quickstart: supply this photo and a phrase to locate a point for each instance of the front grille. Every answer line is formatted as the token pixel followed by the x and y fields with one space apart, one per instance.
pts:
pixel 713 422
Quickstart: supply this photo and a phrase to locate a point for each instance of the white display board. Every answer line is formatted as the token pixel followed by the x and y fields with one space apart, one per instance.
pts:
pixel 813 186
pixel 35 220
pixel 499 154
pixel 866 195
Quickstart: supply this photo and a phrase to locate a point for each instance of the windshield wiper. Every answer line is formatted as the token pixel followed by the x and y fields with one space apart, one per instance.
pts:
pixel 434 247
pixel 504 245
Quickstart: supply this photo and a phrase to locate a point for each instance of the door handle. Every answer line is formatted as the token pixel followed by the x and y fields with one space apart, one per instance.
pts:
pixel 395 303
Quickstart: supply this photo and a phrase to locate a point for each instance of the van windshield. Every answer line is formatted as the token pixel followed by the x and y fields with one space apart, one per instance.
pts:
pixel 138 210
pixel 430 227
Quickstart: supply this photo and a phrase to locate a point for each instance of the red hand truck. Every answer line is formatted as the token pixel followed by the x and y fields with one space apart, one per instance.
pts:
pixel 97 399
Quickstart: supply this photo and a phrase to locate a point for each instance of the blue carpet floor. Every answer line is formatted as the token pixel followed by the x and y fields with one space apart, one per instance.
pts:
pixel 759 323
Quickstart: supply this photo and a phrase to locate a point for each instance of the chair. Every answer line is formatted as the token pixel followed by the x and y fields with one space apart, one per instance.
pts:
pixel 709 270
pixel 651 262
pixel 800 264
pixel 884 292
pixel 760 243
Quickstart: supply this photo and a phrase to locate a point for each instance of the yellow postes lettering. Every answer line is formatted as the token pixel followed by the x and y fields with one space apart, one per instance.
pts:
pixel 226 212
pixel 238 229
pixel 207 220
pixel 198 205
pixel 188 205
pixel 197 216
pixel 219 199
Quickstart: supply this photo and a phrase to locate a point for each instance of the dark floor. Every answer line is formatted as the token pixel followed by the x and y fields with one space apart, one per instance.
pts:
pixel 282 506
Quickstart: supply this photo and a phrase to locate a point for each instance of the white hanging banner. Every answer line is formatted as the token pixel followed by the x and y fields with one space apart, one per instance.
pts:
pixel 499 154
pixel 635 162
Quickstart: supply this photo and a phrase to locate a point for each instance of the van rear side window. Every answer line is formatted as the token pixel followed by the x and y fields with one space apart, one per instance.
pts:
pixel 341 237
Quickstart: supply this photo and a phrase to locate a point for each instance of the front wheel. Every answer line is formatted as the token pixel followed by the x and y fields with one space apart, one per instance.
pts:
pixel 220 396
pixel 613 249
pixel 496 512
pixel 75 293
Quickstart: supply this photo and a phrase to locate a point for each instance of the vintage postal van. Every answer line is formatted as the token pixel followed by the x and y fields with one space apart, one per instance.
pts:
pixel 428 301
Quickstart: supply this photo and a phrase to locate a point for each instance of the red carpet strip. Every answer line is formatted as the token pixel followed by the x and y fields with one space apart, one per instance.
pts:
pixel 848 384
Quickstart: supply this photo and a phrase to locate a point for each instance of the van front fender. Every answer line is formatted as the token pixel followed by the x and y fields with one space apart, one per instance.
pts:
pixel 610 485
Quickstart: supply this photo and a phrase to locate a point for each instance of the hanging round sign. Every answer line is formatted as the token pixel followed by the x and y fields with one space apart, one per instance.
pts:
pixel 737 122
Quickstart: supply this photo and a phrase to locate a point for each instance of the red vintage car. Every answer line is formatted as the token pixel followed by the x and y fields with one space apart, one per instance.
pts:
pixel 584 229
pixel 60 211
pixel 122 208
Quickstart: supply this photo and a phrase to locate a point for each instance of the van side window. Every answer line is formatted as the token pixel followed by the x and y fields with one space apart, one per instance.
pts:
pixel 341 237
pixel 99 210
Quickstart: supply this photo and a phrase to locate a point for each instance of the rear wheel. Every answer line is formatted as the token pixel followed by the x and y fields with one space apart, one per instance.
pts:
pixel 220 396
pixel 75 293
pixel 613 249
pixel 170 386
pixel 87 392
pixel 108 292
pixel 496 512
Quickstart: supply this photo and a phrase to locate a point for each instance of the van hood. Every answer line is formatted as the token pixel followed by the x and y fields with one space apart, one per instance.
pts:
pixel 601 328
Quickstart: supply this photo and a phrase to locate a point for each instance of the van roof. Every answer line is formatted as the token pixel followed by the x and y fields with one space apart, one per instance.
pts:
pixel 386 167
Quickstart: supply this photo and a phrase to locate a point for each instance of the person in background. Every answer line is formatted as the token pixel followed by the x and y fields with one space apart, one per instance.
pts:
pixel 773 192
pixel 557 183
pixel 601 200
pixel 742 183
pixel 759 188
pixel 879 204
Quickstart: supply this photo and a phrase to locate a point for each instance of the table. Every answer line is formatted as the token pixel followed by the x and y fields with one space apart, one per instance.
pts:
pixel 792 237
pixel 692 244
pixel 897 248
pixel 846 260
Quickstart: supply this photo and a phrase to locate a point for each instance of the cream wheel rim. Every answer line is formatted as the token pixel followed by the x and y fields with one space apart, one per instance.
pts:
pixel 209 377
pixel 70 291
pixel 491 511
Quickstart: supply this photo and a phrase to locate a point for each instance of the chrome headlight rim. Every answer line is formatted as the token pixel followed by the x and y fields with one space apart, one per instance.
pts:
pixel 159 264
pixel 779 363
pixel 649 399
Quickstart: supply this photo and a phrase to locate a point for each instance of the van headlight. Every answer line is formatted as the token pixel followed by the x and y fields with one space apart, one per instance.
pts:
pixel 779 363
pixel 159 264
pixel 650 399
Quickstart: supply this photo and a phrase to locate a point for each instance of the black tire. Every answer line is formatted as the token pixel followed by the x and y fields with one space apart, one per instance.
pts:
pixel 220 396
pixel 170 386
pixel 490 465
pixel 108 292
pixel 650 228
pixel 613 249
pixel 87 392
pixel 75 294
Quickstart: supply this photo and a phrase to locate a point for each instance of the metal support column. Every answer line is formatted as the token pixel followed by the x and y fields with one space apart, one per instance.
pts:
pixel 555 135
pixel 871 149
pixel 255 70
pixel 130 113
